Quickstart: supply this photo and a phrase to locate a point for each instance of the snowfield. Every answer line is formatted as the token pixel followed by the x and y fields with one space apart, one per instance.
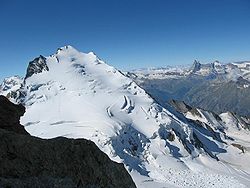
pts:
pixel 79 96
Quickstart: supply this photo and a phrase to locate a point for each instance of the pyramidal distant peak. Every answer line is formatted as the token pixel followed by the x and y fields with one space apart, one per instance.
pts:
pixel 196 66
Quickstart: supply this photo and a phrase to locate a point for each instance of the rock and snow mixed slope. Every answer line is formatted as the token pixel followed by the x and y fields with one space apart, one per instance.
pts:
pixel 76 95
pixel 10 87
pixel 235 129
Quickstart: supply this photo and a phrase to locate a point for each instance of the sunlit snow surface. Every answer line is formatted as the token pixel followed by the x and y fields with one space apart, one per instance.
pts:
pixel 82 97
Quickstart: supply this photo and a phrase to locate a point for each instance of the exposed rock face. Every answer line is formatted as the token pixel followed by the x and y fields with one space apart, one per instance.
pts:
pixel 26 161
pixel 196 66
pixel 38 65
pixel 182 107
pixel 10 115
pixel 31 162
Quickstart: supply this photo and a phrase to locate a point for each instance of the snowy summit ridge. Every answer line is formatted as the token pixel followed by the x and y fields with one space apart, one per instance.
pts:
pixel 76 95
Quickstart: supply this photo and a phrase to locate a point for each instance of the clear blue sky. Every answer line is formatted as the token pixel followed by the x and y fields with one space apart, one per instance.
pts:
pixel 127 34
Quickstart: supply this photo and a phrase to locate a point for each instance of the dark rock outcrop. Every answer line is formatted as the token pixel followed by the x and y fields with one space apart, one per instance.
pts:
pixel 10 115
pixel 26 161
pixel 38 65
pixel 182 107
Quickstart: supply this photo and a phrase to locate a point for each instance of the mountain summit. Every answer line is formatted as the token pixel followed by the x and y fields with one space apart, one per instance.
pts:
pixel 77 95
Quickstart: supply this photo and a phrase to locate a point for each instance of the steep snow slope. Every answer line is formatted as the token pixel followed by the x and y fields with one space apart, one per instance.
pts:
pixel 77 95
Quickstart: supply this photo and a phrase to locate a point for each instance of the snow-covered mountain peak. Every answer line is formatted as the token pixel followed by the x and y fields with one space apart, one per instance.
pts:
pixel 68 49
pixel 10 86
pixel 217 63
pixel 78 85
pixel 10 82
pixel 70 55
pixel 73 68
pixel 204 69
pixel 196 63
pixel 218 67
pixel 65 48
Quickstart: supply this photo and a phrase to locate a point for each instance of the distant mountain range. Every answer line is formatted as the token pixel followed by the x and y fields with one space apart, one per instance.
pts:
pixel 77 95
pixel 216 87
